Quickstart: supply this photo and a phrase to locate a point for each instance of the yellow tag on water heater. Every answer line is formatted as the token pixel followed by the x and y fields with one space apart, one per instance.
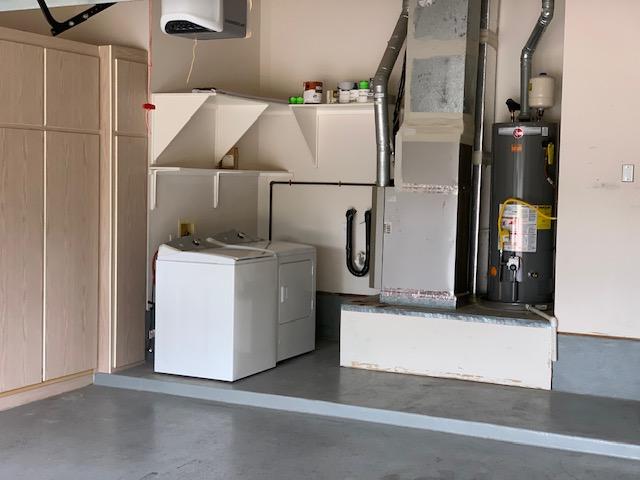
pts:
pixel 544 223
pixel 551 153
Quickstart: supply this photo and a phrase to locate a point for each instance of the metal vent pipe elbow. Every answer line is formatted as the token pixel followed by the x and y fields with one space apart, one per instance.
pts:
pixel 526 58
pixel 381 101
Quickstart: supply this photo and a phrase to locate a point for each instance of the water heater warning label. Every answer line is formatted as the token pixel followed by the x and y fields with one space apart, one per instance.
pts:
pixel 521 223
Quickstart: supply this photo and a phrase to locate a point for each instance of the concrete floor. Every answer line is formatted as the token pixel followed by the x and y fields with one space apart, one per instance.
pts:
pixel 318 376
pixel 101 433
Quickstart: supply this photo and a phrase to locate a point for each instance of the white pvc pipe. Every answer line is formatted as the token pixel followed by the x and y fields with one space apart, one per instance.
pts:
pixel 553 322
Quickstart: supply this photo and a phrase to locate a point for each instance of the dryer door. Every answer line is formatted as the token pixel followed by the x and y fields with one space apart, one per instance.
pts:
pixel 296 290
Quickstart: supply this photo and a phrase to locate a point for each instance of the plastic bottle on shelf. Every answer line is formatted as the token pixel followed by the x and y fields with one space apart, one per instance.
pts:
pixel 354 93
pixel 363 91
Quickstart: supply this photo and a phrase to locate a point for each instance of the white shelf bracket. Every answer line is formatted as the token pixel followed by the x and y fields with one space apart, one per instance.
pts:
pixel 153 184
pixel 216 189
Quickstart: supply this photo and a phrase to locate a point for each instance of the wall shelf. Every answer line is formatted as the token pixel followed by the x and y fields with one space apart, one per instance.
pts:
pixel 214 173
pixel 308 117
pixel 199 128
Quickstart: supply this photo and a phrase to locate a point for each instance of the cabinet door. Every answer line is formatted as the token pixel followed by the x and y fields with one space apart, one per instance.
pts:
pixel 21 257
pixel 131 94
pixel 73 90
pixel 132 250
pixel 21 83
pixel 71 279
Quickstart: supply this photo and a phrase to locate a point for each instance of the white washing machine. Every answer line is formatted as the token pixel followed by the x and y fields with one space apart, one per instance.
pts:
pixel 216 310
pixel 296 291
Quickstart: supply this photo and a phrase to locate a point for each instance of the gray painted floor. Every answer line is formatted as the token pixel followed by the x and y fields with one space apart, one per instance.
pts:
pixel 318 376
pixel 100 433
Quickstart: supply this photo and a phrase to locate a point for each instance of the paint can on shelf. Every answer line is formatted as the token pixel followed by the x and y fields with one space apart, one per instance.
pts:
pixel 312 92
pixel 344 91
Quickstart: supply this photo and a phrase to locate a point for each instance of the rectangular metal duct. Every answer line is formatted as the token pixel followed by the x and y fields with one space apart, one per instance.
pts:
pixel 424 225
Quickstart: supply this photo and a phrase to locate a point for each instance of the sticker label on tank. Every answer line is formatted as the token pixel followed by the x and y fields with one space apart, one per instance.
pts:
pixel 521 222
pixel 543 222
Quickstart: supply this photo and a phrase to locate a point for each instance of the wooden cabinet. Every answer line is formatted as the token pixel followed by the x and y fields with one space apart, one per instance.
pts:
pixel 123 208
pixel 62 172
pixel 21 83
pixel 71 274
pixel 74 83
pixel 50 151
pixel 130 85
pixel 21 257
pixel 132 250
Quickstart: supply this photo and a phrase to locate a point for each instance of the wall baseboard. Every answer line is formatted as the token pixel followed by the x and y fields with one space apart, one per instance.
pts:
pixel 602 366
pixel 40 391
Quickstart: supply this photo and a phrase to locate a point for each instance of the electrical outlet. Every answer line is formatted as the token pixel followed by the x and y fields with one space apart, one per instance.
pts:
pixel 627 172
pixel 187 228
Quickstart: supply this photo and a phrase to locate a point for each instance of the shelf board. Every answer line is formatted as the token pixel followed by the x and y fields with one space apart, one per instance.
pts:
pixel 214 173
pixel 211 171
pixel 335 106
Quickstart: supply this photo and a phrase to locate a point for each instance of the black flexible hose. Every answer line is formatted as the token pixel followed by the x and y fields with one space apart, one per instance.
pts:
pixel 349 247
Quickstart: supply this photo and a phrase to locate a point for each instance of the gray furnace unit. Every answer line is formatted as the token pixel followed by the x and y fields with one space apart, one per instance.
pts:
pixel 422 222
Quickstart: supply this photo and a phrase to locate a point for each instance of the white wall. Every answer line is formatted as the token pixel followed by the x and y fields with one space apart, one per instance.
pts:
pixel 599 217
pixel 330 41
pixel 231 64
pixel 517 19
pixel 316 215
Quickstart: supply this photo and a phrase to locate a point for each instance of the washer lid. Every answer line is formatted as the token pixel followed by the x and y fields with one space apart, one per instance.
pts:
pixel 217 256
pixel 283 249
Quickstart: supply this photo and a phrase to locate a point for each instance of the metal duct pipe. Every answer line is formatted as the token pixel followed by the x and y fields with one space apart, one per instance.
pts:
pixel 526 58
pixel 381 107
pixel 478 141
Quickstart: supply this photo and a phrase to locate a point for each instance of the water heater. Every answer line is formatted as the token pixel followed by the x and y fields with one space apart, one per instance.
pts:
pixel 204 19
pixel 523 207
